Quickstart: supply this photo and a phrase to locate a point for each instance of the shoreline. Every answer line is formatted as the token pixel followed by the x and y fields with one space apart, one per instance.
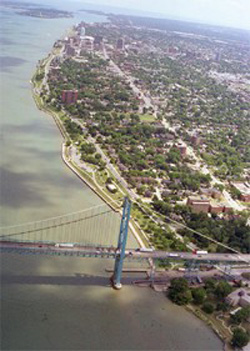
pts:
pixel 210 325
pixel 63 145
pixel 78 172
pixel 90 183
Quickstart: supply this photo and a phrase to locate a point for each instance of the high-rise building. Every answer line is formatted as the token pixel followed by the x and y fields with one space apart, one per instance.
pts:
pixel 218 57
pixel 69 50
pixel 120 44
pixel 98 40
pixel 69 96
pixel 83 32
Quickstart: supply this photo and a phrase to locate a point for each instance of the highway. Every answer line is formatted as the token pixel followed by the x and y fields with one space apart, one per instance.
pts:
pixel 78 250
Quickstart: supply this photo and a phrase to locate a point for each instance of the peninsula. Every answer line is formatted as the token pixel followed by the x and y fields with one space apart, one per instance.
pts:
pixel 32 10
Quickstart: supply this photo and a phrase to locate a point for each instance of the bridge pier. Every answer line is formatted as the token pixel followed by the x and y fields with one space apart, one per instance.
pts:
pixel 122 241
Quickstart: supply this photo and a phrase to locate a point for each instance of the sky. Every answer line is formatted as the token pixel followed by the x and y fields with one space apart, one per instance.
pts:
pixel 232 13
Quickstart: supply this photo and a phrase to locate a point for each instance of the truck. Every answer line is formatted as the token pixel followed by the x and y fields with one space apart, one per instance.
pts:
pixel 173 255
pixel 200 252
pixel 66 245
pixel 145 249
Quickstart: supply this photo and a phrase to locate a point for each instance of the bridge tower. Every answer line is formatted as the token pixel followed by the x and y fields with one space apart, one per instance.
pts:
pixel 122 241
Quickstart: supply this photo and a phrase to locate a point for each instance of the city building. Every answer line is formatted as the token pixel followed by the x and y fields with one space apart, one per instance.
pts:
pixel 82 32
pixel 172 50
pixel 182 148
pixel 69 96
pixel 218 57
pixel 203 204
pixel 120 44
pixel 216 208
pixel 199 204
pixel 69 50
pixel 98 40
pixel 239 297
pixel 195 140
pixel 87 43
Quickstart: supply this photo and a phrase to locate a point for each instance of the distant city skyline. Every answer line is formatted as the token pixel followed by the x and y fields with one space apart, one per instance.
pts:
pixel 232 13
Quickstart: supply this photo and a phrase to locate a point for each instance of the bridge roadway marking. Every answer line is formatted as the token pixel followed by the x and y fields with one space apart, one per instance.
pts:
pixel 99 251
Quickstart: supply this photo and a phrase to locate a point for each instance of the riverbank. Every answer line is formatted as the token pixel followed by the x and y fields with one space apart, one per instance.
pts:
pixel 65 154
pixel 65 149
pixel 216 326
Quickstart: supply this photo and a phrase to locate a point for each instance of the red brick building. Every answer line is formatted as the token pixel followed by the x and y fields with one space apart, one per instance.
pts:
pixel 182 148
pixel 69 96
pixel 199 204
pixel 217 208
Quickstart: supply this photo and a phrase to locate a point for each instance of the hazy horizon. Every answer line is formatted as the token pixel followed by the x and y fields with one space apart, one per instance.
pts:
pixel 226 13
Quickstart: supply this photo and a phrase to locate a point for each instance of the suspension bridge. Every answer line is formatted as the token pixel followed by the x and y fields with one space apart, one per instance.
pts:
pixel 93 233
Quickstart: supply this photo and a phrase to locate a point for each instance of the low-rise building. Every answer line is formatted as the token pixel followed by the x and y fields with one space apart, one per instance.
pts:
pixel 199 204
pixel 239 297
pixel 203 204
pixel 182 148
pixel 216 208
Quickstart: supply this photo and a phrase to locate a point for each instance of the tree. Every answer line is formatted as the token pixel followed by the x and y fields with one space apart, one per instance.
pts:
pixel 240 338
pixel 199 295
pixel 210 285
pixel 179 291
pixel 223 289
pixel 242 315
pixel 222 306
pixel 208 307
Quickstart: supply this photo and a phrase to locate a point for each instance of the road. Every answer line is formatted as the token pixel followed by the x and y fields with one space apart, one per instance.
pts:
pixel 116 69
pixel 109 165
pixel 77 250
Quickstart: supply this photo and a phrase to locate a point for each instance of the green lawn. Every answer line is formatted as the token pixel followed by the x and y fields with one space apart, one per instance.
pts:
pixel 147 118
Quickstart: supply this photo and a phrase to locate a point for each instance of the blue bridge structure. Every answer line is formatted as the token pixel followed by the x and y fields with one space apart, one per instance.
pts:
pixel 91 233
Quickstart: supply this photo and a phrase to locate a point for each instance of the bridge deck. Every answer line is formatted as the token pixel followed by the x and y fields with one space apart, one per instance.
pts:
pixel 111 252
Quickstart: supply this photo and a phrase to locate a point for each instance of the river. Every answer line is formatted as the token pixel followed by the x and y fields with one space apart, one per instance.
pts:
pixel 64 303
